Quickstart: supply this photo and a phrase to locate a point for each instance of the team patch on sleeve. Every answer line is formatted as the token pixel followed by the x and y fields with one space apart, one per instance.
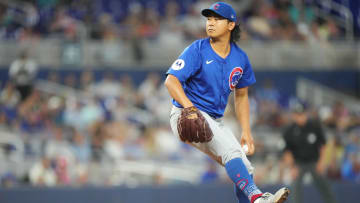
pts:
pixel 235 76
pixel 178 64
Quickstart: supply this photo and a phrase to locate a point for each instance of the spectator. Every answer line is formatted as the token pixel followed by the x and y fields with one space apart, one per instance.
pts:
pixel 257 23
pixel 108 87
pixel 114 142
pixel 58 146
pixel 72 114
pixel 3 120
pixel 350 169
pixel 334 152
pixel 99 134
pixel 150 25
pixel 31 114
pixel 53 76
pixel 339 118
pixel 62 171
pixel 134 32
pixel 108 32
pixel 8 180
pixel 86 80
pixel 210 175
pixel 31 19
pixel 64 25
pixel 91 113
pixel 149 86
pixel 171 30
pixel 268 98
pixel 80 147
pixel 70 80
pixel 23 72
pixel 193 24
pixel 128 93
pixel 9 96
pixel 42 173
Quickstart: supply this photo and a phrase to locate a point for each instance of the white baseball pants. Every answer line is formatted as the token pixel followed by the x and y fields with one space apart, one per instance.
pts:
pixel 223 147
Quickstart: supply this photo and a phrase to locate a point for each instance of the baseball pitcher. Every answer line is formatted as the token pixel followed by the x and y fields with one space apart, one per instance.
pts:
pixel 199 82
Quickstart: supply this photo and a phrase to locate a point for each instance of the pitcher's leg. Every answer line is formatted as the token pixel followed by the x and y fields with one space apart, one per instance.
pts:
pixel 225 149
pixel 242 198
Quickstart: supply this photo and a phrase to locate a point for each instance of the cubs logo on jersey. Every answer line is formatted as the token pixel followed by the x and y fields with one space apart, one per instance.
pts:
pixel 235 76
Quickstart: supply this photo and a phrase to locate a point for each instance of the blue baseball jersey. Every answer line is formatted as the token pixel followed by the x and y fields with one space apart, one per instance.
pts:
pixel 208 79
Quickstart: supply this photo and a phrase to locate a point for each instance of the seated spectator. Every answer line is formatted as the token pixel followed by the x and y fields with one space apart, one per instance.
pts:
pixel 53 76
pixel 9 100
pixel 8 180
pixel 268 98
pixel 334 152
pixel 64 26
pixel 86 80
pixel 148 90
pixel 9 96
pixel 58 146
pixel 108 87
pixel 339 117
pixel 23 72
pixel 70 80
pixel 350 168
pixel 30 113
pixel 80 147
pixel 193 25
pixel 210 175
pixel 42 173
pixel 170 34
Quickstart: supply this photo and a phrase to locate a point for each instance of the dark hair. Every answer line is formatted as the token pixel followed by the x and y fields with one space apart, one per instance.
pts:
pixel 235 33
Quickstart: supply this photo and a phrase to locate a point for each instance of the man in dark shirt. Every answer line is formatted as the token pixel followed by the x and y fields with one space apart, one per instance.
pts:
pixel 304 146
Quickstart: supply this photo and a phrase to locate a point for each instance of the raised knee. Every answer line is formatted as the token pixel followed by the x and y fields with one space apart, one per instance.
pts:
pixel 232 154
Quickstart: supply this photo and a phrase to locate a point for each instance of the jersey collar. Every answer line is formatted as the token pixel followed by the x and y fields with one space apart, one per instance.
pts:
pixel 217 57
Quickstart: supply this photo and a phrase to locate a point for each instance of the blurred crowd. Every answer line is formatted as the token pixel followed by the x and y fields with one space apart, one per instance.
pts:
pixel 164 20
pixel 75 129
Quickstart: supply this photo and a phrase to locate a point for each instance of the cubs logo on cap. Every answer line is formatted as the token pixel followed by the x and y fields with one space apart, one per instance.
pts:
pixel 221 8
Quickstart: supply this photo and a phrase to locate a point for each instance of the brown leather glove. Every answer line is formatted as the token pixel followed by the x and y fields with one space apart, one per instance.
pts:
pixel 193 127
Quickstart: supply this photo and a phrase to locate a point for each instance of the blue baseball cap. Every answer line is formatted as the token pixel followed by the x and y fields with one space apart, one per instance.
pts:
pixel 221 8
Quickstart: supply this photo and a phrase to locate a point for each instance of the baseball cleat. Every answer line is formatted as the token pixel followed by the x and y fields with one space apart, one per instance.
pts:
pixel 279 197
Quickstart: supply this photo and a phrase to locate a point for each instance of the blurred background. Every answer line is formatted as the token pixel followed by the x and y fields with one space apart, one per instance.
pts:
pixel 84 115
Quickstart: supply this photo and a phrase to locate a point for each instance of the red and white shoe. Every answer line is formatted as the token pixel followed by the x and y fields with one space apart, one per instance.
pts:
pixel 279 197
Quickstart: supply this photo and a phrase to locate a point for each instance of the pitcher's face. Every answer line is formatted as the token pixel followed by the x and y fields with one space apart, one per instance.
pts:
pixel 218 26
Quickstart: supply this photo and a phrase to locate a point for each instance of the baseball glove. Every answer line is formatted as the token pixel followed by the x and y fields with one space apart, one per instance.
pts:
pixel 193 127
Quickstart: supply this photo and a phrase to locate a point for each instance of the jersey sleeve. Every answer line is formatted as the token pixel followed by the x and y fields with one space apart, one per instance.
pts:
pixel 187 64
pixel 248 77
